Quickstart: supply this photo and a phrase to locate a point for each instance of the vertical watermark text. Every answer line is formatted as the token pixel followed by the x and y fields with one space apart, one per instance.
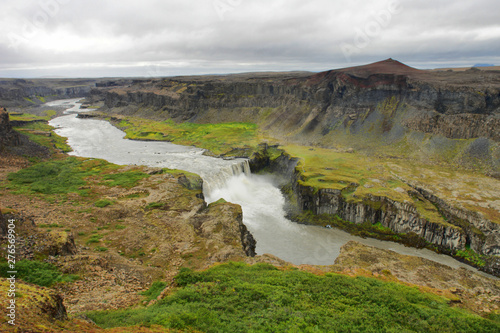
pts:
pixel 12 272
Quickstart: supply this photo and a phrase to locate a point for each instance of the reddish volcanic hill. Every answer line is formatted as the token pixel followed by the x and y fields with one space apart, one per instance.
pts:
pixel 389 66
pixel 379 73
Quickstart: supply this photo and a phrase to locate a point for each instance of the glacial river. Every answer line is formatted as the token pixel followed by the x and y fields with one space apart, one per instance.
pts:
pixel 261 201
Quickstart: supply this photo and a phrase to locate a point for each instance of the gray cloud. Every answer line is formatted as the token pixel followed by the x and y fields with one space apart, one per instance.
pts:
pixel 153 37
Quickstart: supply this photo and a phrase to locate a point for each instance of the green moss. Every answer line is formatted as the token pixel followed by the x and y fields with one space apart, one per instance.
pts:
pixel 472 257
pixel 218 138
pixel 155 205
pixel 236 297
pixel 430 212
pixel 95 238
pixel 103 203
pixel 127 179
pixel 37 272
pixel 53 177
pixel 41 133
pixel 220 201
pixel 154 291
pixel 349 172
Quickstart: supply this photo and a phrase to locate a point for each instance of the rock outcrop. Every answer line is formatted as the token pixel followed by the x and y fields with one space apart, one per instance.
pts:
pixel 3 225
pixel 463 286
pixel 8 137
pixel 37 309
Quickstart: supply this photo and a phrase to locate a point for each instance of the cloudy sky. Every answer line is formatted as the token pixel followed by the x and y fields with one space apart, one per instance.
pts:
pixel 96 38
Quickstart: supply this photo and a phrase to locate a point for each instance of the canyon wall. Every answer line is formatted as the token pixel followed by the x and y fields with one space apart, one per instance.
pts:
pixel 28 93
pixel 463 228
pixel 313 105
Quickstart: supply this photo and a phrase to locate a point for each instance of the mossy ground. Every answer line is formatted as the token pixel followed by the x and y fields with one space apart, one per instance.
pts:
pixel 28 117
pixel 236 297
pixel 217 138
pixel 38 131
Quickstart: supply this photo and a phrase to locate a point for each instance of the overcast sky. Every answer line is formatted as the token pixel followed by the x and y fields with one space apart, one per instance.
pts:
pixel 96 38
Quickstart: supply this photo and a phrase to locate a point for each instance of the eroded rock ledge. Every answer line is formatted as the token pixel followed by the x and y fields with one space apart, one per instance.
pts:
pixel 464 228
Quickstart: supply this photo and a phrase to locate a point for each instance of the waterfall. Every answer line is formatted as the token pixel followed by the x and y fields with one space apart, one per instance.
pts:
pixel 218 178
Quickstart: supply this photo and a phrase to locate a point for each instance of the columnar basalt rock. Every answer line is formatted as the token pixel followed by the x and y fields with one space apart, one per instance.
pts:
pixel 463 227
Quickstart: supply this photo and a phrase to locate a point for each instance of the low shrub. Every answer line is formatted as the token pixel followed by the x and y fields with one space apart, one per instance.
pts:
pixel 37 272
pixel 236 297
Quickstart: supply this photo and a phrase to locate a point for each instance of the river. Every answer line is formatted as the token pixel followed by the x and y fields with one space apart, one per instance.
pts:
pixel 261 201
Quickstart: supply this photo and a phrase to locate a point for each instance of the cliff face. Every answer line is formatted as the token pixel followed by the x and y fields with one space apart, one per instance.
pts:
pixel 383 95
pixel 18 92
pixel 8 137
pixel 462 228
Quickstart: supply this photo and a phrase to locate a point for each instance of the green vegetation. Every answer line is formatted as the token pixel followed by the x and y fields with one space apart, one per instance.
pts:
pixel 71 175
pixel 96 238
pixel 326 168
pixel 126 179
pixel 52 225
pixel 472 257
pixel 155 290
pixel 359 178
pixel 59 176
pixel 37 272
pixel 103 203
pixel 28 117
pixel 236 297
pixel 49 114
pixel 41 133
pixel 220 201
pixel 217 138
pixel 155 205
pixel 100 249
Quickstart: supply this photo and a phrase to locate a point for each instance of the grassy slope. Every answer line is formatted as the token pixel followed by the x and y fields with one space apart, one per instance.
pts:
pixel 236 297
pixel 218 138
pixel 37 130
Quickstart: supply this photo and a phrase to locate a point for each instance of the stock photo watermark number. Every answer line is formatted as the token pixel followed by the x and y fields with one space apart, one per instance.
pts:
pixel 11 262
